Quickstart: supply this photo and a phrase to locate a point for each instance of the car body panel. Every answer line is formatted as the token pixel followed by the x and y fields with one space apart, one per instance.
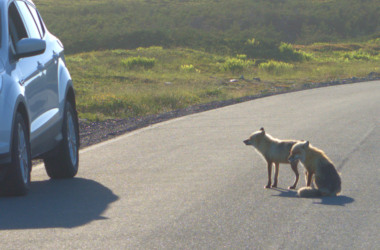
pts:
pixel 37 84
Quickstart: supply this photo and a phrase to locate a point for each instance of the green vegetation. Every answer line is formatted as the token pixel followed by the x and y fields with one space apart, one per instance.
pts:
pixel 135 62
pixel 214 25
pixel 189 68
pixel 276 67
pixel 236 65
pixel 131 58
pixel 182 77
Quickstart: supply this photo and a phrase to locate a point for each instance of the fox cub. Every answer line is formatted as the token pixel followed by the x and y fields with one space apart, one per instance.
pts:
pixel 327 179
pixel 274 151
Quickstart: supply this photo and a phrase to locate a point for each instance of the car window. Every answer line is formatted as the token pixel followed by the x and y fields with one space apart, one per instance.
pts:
pixel 17 29
pixel 29 20
pixel 37 19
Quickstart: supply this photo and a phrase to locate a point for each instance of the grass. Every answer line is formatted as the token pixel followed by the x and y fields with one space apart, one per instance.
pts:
pixel 215 25
pixel 137 62
pixel 108 88
pixel 275 67
pixel 131 58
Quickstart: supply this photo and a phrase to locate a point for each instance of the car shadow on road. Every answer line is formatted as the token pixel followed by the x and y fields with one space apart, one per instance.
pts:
pixel 56 203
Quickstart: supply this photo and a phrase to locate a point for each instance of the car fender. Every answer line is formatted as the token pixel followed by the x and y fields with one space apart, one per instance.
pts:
pixel 65 83
pixel 14 101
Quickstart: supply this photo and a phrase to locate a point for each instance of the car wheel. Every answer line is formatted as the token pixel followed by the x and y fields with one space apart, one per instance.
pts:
pixel 17 176
pixel 64 163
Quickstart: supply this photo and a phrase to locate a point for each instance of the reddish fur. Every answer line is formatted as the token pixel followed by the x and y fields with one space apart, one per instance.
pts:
pixel 316 162
pixel 274 151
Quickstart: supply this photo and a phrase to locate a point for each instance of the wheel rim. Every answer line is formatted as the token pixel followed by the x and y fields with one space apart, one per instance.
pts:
pixel 23 156
pixel 72 139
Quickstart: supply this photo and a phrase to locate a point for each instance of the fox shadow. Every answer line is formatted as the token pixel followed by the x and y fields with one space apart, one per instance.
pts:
pixel 56 203
pixel 339 200
pixel 289 193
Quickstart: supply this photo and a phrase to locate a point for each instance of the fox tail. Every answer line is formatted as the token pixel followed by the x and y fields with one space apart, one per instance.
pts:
pixel 308 192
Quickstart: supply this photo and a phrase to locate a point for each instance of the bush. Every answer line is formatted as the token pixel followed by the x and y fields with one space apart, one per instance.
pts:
pixel 241 56
pixel 189 68
pixel 252 42
pixel 357 55
pixel 133 62
pixel 235 65
pixel 288 54
pixel 276 67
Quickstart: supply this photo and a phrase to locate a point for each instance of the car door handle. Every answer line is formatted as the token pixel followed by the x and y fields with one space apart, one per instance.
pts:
pixel 55 56
pixel 40 66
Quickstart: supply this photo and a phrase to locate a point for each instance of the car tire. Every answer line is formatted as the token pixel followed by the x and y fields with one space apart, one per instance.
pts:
pixel 65 161
pixel 17 176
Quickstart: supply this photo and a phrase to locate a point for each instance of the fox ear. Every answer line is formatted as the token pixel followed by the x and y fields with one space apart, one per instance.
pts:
pixel 262 130
pixel 307 144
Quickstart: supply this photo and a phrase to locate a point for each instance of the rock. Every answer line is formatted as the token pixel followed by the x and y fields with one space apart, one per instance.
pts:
pixel 373 75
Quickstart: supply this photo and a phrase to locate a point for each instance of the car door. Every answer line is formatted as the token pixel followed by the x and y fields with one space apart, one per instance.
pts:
pixel 49 59
pixel 41 95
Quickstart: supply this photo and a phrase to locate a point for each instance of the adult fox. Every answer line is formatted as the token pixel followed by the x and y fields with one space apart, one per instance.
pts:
pixel 327 179
pixel 274 151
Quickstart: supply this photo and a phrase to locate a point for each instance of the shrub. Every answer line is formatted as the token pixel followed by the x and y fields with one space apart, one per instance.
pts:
pixel 241 56
pixel 288 53
pixel 189 68
pixel 357 55
pixel 252 42
pixel 276 67
pixel 133 62
pixel 235 65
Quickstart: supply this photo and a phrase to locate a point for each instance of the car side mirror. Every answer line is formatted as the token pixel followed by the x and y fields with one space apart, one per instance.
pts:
pixel 29 47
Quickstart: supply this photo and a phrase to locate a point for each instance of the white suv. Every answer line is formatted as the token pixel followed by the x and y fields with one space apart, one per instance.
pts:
pixel 38 117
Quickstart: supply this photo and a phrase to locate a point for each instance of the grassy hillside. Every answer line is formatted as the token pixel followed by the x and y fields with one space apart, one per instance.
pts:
pixel 131 83
pixel 214 25
pixel 131 58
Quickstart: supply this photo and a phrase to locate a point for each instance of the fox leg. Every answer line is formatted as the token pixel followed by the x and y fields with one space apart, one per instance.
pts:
pixel 269 174
pixel 295 170
pixel 276 172
pixel 309 176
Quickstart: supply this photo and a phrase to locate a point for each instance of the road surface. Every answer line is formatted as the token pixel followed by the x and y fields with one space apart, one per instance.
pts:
pixel 191 183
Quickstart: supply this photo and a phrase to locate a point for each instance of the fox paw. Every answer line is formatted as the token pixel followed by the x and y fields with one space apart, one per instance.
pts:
pixel 274 185
pixel 292 187
pixel 267 186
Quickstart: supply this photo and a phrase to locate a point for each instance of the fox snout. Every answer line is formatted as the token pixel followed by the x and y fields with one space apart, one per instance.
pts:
pixel 247 142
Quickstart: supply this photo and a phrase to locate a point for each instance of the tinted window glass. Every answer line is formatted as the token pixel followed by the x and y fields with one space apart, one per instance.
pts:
pixel 17 30
pixel 29 20
pixel 37 19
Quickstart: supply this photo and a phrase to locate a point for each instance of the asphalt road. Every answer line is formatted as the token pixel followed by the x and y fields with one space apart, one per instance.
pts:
pixel 191 183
